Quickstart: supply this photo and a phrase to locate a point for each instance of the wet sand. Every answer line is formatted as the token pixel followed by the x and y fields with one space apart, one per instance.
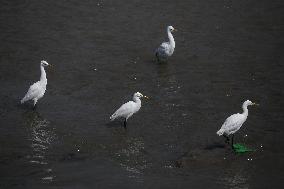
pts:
pixel 102 51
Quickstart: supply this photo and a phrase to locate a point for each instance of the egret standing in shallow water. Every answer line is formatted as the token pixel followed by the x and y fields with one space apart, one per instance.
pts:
pixel 234 122
pixel 37 90
pixel 129 108
pixel 166 49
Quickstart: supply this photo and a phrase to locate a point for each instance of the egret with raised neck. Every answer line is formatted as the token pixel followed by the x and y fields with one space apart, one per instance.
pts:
pixel 129 108
pixel 235 122
pixel 166 49
pixel 37 90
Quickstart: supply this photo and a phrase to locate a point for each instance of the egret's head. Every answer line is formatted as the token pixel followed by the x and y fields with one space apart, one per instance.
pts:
pixel 44 63
pixel 171 29
pixel 139 95
pixel 249 103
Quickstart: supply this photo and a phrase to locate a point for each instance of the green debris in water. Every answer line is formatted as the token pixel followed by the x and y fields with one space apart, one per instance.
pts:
pixel 240 148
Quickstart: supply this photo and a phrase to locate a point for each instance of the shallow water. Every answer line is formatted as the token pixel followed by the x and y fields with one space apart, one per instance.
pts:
pixel 102 52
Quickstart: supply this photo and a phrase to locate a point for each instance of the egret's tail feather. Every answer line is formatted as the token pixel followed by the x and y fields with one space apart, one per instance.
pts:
pixel 113 117
pixel 220 132
pixel 23 100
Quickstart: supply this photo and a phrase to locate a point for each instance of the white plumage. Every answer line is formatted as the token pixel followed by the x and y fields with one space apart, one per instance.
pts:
pixel 234 122
pixel 37 90
pixel 166 49
pixel 129 108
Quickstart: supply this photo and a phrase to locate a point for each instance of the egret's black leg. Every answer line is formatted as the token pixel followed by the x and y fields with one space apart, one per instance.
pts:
pixel 35 101
pixel 34 108
pixel 227 138
pixel 157 56
pixel 125 122
pixel 232 144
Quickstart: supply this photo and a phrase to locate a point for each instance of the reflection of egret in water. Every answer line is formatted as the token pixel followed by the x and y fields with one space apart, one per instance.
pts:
pixel 235 179
pixel 130 154
pixel 167 81
pixel 41 136
pixel 171 99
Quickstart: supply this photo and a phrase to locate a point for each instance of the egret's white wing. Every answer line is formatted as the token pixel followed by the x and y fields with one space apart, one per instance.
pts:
pixel 124 110
pixel 233 123
pixel 163 49
pixel 32 92
pixel 165 45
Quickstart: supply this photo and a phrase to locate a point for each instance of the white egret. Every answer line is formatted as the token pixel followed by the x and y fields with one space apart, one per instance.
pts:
pixel 166 49
pixel 37 90
pixel 234 122
pixel 129 108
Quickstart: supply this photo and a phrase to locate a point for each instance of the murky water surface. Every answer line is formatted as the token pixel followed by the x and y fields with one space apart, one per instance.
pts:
pixel 102 52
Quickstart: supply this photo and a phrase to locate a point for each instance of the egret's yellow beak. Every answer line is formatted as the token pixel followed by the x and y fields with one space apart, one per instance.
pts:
pixel 175 30
pixel 255 104
pixel 146 97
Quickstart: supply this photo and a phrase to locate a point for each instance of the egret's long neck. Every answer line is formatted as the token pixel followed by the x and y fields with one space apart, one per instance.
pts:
pixel 136 100
pixel 245 109
pixel 171 39
pixel 43 75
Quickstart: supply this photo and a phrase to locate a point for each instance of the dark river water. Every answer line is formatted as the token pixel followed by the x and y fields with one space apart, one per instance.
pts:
pixel 102 51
